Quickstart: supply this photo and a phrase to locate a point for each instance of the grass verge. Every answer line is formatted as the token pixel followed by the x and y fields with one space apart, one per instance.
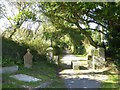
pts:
pixel 112 83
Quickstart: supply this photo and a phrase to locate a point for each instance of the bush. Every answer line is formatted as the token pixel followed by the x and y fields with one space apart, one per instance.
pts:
pixel 13 52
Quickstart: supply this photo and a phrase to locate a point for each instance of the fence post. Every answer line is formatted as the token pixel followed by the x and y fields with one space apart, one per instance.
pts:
pixel 93 63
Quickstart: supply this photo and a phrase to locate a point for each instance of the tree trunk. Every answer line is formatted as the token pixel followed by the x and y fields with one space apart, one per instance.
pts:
pixel 18 25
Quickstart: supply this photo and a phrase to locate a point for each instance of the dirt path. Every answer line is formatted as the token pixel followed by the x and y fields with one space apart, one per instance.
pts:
pixel 81 78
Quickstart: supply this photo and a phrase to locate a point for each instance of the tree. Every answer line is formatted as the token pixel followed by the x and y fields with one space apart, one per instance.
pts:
pixel 111 16
pixel 67 14
pixel 0 10
pixel 24 14
pixel 21 12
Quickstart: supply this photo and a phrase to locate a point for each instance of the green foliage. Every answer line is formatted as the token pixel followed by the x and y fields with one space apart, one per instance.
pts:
pixel 24 15
pixel 21 35
pixel 113 42
pixel 62 25
pixel 7 61
pixel 65 35
pixel 112 83
pixel 1 9
pixel 38 45
pixel 13 52
pixel 68 14
pixel 106 15
pixel 114 32
pixel 12 49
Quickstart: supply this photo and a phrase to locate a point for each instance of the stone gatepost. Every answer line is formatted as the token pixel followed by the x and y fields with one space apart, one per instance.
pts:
pixel 101 53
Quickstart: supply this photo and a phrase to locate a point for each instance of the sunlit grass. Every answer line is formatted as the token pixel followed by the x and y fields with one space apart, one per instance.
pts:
pixel 111 83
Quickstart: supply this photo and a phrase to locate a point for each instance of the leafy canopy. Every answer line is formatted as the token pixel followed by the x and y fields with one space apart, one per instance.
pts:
pixel 69 14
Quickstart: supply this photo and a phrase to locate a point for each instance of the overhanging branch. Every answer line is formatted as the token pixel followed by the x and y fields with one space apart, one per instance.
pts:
pixel 94 30
pixel 97 23
pixel 87 35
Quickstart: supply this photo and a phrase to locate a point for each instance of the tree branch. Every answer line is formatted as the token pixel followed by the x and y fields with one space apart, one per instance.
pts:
pixel 94 30
pixel 7 19
pixel 87 35
pixel 97 23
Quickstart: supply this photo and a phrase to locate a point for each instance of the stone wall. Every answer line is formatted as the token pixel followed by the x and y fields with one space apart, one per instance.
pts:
pixel 97 58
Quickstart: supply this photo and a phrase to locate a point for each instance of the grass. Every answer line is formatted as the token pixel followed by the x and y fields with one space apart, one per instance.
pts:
pixel 112 83
pixel 42 70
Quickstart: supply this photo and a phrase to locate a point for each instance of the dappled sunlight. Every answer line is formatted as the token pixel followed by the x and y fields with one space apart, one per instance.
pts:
pixel 87 71
pixel 66 71
pixel 67 59
pixel 110 82
pixel 83 77
pixel 77 82
pixel 77 42
pixel 69 73
pixel 72 57
pixel 90 74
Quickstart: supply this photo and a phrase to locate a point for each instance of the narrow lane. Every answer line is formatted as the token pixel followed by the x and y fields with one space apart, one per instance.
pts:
pixel 80 78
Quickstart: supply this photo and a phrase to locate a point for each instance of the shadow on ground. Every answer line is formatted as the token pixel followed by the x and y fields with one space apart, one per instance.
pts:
pixel 82 83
